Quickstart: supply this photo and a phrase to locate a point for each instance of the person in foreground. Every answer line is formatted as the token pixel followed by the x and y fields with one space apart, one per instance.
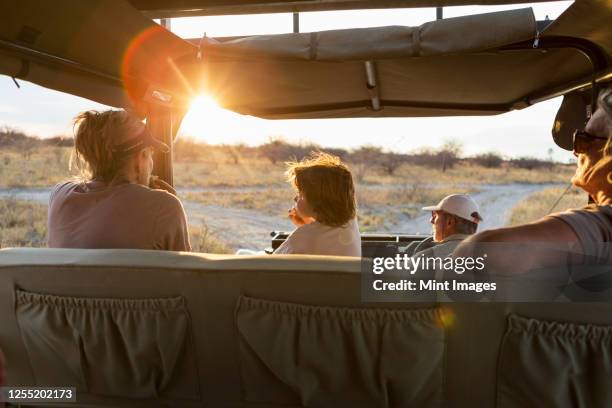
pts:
pixel 324 211
pixel 580 232
pixel 117 203
pixel 454 219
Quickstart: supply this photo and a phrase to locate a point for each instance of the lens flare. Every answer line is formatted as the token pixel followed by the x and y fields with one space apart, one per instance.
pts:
pixel 156 59
pixel 447 318
pixel 136 51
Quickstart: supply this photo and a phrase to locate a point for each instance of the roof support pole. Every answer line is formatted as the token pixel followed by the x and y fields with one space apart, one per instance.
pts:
pixel 439 13
pixel 160 122
pixel 165 22
pixel 296 22
pixel 372 85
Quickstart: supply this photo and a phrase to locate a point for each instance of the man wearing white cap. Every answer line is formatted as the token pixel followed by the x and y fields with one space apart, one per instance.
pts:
pixel 454 218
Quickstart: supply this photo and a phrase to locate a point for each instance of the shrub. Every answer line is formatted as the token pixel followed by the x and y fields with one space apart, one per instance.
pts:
pixel 489 160
pixel 530 163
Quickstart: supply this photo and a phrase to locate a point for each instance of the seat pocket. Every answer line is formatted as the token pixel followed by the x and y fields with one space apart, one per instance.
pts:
pixel 137 348
pixel 554 364
pixel 319 356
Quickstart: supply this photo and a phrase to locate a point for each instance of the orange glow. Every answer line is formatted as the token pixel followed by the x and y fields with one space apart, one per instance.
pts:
pixel 209 122
pixel 447 317
pixel 136 52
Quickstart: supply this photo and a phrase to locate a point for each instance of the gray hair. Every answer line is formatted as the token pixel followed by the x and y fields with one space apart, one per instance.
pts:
pixel 464 226
pixel 604 101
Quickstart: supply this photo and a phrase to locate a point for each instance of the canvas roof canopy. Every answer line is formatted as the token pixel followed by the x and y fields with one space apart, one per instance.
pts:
pixel 103 50
pixel 183 8
pixel 459 66
pixel 108 51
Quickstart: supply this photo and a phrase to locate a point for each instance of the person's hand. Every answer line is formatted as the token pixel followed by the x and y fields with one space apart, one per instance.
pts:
pixel 297 220
pixel 159 184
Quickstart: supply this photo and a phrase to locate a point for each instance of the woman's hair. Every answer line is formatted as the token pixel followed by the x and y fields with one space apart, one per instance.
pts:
pixel 95 136
pixel 327 184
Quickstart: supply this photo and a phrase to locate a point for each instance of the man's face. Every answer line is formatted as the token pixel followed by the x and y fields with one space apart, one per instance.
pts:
pixel 592 165
pixel 439 225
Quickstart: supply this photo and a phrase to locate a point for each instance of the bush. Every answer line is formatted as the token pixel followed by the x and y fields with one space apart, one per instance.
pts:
pixel 278 150
pixel 16 139
pixel 390 162
pixel 187 149
pixel 58 141
pixel 530 163
pixel 489 160
pixel 365 158
pixel 449 154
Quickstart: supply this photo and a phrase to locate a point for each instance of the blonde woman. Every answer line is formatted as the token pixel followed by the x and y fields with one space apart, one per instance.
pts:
pixel 117 204
pixel 324 209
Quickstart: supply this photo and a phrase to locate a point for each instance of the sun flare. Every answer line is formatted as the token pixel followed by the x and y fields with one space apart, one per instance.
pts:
pixel 207 121
pixel 204 103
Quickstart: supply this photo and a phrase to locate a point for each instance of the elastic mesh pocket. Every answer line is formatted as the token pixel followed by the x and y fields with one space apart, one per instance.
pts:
pixel 555 364
pixel 330 356
pixel 137 348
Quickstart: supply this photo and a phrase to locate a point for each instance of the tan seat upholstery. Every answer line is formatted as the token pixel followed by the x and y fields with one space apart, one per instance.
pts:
pixel 148 328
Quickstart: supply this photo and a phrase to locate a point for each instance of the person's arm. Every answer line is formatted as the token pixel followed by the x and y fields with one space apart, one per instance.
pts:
pixel 285 247
pixel 515 250
pixel 294 242
pixel 297 242
pixel 159 184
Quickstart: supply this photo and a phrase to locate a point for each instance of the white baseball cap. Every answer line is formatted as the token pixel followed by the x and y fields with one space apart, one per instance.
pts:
pixel 461 205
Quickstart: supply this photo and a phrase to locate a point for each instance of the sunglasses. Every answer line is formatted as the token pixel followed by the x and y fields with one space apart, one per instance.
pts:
pixel 582 140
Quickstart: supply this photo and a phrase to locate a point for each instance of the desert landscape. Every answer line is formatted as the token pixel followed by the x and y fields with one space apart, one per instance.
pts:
pixel 236 195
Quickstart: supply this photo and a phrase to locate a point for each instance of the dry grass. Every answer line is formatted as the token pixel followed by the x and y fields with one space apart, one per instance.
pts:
pixel 257 172
pixel 539 204
pixel 407 194
pixel 222 174
pixel 271 201
pixel 203 240
pixel 40 167
pixel 22 223
pixel 373 221
pixel 46 166
pixel 470 174
pixel 276 201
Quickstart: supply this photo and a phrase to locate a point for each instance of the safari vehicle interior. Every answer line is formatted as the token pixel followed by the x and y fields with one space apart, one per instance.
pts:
pixel 154 328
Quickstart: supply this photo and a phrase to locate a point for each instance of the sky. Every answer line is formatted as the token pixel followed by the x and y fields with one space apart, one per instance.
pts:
pixel 46 113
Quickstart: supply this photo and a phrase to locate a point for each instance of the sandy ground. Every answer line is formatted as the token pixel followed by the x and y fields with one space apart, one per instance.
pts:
pixel 242 228
pixel 495 201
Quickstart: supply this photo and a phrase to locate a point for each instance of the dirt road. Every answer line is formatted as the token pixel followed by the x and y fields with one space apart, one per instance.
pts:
pixel 495 201
pixel 242 228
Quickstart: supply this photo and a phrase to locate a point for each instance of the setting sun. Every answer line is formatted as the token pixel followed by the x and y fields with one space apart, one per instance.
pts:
pixel 203 116
pixel 208 122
